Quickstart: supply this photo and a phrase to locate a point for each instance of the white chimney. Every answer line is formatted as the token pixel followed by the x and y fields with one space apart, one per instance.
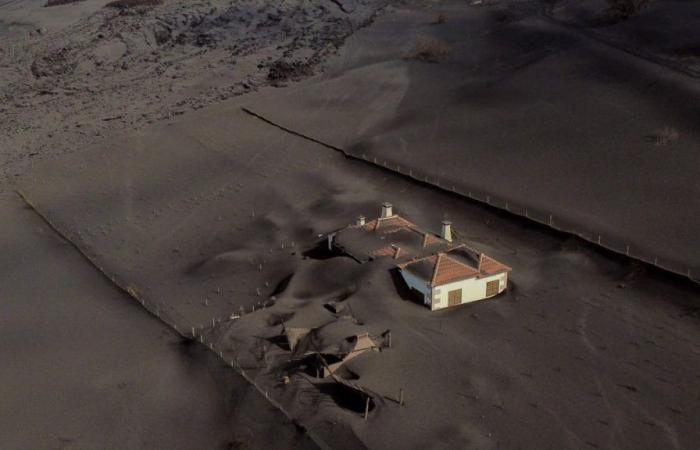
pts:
pixel 446 233
pixel 360 221
pixel 387 210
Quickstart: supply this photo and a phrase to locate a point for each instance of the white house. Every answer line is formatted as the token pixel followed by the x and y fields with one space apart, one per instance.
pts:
pixel 438 270
pixel 454 277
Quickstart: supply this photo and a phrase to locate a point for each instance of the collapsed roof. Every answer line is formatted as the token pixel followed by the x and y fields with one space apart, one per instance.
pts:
pixel 339 337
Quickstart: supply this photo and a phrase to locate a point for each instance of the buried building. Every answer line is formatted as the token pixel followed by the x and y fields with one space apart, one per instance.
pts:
pixel 321 352
pixel 454 277
pixel 439 271
pixel 328 351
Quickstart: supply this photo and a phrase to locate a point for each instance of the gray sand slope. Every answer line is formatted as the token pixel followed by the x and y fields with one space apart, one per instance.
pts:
pixel 84 366
pixel 503 104
pixel 72 73
pixel 213 213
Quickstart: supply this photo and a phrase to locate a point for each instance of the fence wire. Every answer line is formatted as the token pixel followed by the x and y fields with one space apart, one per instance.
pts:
pixel 167 314
pixel 546 218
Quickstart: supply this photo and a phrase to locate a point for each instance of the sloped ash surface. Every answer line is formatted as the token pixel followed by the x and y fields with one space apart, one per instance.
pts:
pixel 72 73
pixel 85 366
pixel 501 103
pixel 214 212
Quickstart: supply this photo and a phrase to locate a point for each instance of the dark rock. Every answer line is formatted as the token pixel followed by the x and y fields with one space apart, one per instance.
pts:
pixel 283 70
pixel 162 34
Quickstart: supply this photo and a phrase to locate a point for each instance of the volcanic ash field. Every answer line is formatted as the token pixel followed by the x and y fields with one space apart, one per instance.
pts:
pixel 169 173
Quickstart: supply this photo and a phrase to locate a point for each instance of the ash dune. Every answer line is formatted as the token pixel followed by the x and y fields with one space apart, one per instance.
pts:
pixel 84 366
pixel 590 129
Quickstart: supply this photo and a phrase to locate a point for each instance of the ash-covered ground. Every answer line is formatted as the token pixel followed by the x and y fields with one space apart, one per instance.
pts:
pixel 213 217
pixel 124 130
pixel 71 73
pixel 84 367
pixel 590 127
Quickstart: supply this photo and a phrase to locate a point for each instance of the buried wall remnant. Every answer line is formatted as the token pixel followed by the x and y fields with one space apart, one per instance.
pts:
pixel 326 362
pixel 325 359
pixel 350 348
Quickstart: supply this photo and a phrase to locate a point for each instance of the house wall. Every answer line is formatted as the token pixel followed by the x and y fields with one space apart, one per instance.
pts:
pixel 473 289
pixel 418 284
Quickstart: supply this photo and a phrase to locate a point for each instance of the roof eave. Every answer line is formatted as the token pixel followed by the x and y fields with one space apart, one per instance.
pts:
pixel 476 275
pixel 498 272
pixel 421 277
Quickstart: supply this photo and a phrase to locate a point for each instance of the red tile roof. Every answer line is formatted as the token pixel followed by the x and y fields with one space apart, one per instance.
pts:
pixel 423 267
pixel 444 267
pixel 389 250
pixel 429 239
pixel 449 269
pixel 388 236
pixel 401 239
pixel 371 225
pixel 489 266
pixel 394 221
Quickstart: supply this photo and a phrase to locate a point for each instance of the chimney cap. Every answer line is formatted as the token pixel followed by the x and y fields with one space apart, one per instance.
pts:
pixel 446 233
pixel 387 210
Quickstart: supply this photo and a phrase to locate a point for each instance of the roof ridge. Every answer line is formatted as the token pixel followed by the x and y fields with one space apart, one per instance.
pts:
pixel 412 226
pixel 459 262
pixel 463 244
pixel 484 255
pixel 436 269
pixel 379 220
pixel 472 270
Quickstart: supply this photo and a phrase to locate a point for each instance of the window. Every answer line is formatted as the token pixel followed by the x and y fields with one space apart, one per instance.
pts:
pixel 492 288
pixel 454 297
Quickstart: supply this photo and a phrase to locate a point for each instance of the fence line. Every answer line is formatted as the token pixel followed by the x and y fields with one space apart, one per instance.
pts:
pixel 167 314
pixel 198 333
pixel 547 219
